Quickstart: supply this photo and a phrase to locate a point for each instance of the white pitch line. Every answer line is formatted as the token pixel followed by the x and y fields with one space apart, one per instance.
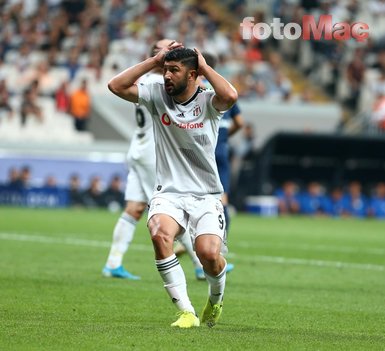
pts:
pixel 244 258
pixel 309 247
pixel 66 241
pixel 317 263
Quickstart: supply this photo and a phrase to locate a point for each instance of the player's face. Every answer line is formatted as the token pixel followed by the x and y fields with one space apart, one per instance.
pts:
pixel 175 77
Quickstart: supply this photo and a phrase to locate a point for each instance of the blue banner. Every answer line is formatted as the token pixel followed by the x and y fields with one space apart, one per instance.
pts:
pixel 34 197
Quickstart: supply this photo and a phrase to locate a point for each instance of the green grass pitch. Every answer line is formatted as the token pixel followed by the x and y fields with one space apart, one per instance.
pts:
pixel 298 284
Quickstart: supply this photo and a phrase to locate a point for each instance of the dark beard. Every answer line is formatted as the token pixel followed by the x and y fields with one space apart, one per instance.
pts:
pixel 178 89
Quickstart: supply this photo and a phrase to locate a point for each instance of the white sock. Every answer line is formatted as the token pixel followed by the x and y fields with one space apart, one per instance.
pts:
pixel 121 239
pixel 216 286
pixel 185 239
pixel 175 282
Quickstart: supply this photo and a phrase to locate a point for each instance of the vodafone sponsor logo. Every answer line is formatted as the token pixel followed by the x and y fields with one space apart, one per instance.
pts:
pixel 166 120
pixel 189 125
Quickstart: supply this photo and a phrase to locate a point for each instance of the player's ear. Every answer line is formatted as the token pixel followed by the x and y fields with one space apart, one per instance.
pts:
pixel 193 74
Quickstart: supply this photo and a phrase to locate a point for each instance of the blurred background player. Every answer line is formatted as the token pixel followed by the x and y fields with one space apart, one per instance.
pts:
pixel 288 198
pixel 140 180
pixel 230 123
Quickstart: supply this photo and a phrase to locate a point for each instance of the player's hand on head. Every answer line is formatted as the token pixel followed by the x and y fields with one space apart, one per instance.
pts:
pixel 159 57
pixel 201 62
pixel 174 45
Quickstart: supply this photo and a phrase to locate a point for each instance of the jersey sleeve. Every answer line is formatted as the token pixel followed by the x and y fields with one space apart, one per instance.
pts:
pixel 213 112
pixel 145 96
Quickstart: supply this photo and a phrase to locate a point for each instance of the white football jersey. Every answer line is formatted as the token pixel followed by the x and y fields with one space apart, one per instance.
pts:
pixel 142 147
pixel 185 139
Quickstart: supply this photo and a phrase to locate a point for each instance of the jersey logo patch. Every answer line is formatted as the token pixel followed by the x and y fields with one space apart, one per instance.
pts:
pixel 197 110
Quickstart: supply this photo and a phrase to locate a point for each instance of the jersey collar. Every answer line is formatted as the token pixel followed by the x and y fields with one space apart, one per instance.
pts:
pixel 199 90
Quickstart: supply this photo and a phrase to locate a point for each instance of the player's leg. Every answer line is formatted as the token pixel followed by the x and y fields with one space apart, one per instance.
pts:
pixel 163 230
pixel 125 226
pixel 122 236
pixel 214 265
pixel 185 240
pixel 223 164
pixel 209 224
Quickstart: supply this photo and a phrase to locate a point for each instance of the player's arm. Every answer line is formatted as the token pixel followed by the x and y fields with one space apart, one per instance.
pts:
pixel 123 84
pixel 225 94
pixel 237 124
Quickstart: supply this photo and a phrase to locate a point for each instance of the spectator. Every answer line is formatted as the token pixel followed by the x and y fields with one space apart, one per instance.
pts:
pixel 260 92
pixel 59 29
pixel 25 177
pixel 50 182
pixel 4 99
pixel 313 201
pixel 75 193
pixel 355 202
pixel 377 117
pixel 46 83
pixel 253 51
pixel 62 98
pixel 95 63
pixel 30 107
pixel 115 19
pixel 288 198
pixel 334 204
pixel 355 75
pixel 81 106
pixel 377 202
pixel 72 63
pixel 92 197
pixel 113 197
pixel 23 59
pixel 282 87
pixel 14 180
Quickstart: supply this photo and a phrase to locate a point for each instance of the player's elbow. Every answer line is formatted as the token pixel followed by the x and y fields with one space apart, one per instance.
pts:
pixel 233 96
pixel 230 98
pixel 114 87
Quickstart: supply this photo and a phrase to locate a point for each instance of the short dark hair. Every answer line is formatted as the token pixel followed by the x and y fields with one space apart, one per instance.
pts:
pixel 187 57
pixel 211 59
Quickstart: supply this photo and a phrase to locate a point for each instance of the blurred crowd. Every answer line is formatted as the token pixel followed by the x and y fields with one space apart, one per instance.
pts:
pixel 94 195
pixel 312 199
pixel 315 200
pixel 54 48
pixel 351 72
pixel 48 46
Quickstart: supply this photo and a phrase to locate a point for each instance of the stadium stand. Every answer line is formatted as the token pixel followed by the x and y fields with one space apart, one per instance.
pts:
pixel 300 86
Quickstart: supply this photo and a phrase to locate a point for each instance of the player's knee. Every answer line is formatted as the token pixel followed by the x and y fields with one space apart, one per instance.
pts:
pixel 135 209
pixel 159 233
pixel 208 255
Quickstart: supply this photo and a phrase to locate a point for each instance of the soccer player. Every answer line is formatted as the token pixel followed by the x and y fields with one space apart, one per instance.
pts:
pixel 140 180
pixel 187 188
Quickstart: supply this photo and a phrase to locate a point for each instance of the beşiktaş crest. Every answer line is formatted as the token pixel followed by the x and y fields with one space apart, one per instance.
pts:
pixel 197 110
